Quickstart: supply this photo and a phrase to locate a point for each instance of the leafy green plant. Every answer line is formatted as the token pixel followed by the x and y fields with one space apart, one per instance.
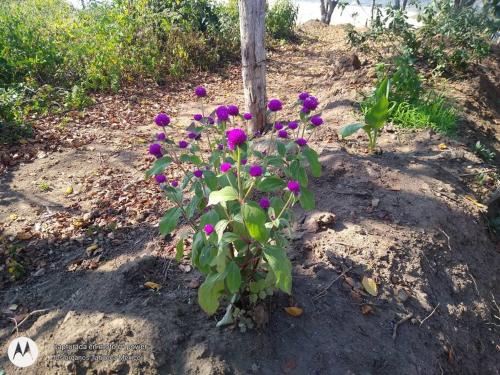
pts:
pixel 237 202
pixel 376 114
pixel 43 186
pixel 281 18
pixel 484 152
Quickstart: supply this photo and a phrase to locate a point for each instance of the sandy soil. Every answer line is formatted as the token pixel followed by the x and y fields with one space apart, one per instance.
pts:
pixel 409 218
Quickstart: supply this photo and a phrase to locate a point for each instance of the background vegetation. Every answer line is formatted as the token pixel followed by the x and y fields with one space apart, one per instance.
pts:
pixel 52 55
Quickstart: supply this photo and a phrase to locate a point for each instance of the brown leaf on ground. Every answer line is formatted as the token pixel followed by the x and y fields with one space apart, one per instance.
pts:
pixel 370 286
pixel 366 309
pixel 289 366
pixel 294 311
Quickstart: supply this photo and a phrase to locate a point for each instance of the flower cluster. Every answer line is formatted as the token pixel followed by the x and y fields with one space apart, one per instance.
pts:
pixel 236 199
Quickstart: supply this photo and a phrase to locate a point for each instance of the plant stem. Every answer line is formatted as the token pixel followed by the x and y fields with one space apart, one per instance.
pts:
pixel 249 190
pixel 238 171
pixel 285 206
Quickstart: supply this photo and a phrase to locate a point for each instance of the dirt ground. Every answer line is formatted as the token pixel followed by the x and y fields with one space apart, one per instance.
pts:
pixel 82 221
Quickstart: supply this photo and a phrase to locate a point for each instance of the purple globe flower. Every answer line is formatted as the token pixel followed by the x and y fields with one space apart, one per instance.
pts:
pixel 200 92
pixel 278 126
pixel 247 116
pixel 209 229
pixel 275 105
pixel 183 144
pixel 161 136
pixel 222 113
pixel 305 110
pixel 303 95
pixel 301 142
pixel 292 125
pixel 294 187
pixel 316 120
pixel 162 119
pixel 220 147
pixel 256 171
pixel 210 120
pixel 225 167
pixel 198 173
pixel 155 149
pixel 233 110
pixel 193 135
pixel 311 103
pixel 283 134
pixel 235 137
pixel 264 203
pixel 243 161
pixel 198 117
pixel 174 183
pixel 161 178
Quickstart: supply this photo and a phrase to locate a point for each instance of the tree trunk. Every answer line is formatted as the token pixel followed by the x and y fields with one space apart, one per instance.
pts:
pixel 253 58
pixel 327 8
pixel 396 4
pixel 404 4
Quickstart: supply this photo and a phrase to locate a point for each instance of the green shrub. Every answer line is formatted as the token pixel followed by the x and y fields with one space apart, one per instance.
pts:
pixel 281 18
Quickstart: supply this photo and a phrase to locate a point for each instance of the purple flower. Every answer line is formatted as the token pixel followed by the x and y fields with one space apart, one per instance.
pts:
pixel 155 149
pixel 264 203
pixel 200 92
pixel 311 103
pixel 283 134
pixel 162 119
pixel 210 120
pixel 316 120
pixel 303 95
pixel 292 125
pixel 161 136
pixel 222 113
pixel 305 110
pixel 220 147
pixel 193 135
pixel 233 110
pixel 161 178
pixel 224 167
pixel 301 142
pixel 197 173
pixel 209 229
pixel 183 144
pixel 274 105
pixel 198 117
pixel 243 161
pixel 174 183
pixel 294 187
pixel 235 137
pixel 278 126
pixel 256 171
pixel 247 116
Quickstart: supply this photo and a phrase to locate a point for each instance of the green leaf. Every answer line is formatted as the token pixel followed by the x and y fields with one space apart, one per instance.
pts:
pixel 159 166
pixel 306 199
pixel 187 158
pixel 170 220
pixel 281 266
pixel 275 161
pixel 191 207
pixel 220 227
pixel 229 237
pixel 268 184
pixel 225 194
pixel 197 245
pixel 210 292
pixel 233 278
pixel 179 250
pixel 350 129
pixel 312 158
pixel 210 179
pixel 281 149
pixel 377 114
pixel 255 220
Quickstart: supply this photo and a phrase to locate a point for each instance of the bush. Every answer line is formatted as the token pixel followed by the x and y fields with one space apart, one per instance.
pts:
pixel 237 202
pixel 281 18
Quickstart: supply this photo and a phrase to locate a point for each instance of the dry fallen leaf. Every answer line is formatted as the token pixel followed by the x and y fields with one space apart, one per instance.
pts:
pixel 152 285
pixel 90 250
pixel 69 190
pixel 442 146
pixel 366 309
pixel 475 202
pixel 24 236
pixel 369 285
pixel 294 311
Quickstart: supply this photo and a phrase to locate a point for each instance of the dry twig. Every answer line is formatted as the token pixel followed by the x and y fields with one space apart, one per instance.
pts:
pixel 396 326
pixel 323 292
pixel 428 316
pixel 16 328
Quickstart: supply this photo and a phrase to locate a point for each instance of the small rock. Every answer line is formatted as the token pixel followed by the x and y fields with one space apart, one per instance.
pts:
pixel 13 307
pixel 401 295
pixel 194 283
pixel 375 202
pixel 319 220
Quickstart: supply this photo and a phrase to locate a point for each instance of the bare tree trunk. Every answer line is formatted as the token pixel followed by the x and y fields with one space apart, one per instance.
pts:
pixel 404 4
pixel 396 4
pixel 83 3
pixel 253 58
pixel 327 8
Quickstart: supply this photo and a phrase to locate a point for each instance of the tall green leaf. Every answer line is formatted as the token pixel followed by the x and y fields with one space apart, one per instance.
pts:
pixel 271 183
pixel 255 220
pixel 281 266
pixel 225 194
pixel 312 158
pixel 170 220
pixel 350 129
pixel 306 199
pixel 159 166
pixel 233 279
pixel 210 292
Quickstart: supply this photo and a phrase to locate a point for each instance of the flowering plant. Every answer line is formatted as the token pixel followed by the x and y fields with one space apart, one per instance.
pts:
pixel 238 200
